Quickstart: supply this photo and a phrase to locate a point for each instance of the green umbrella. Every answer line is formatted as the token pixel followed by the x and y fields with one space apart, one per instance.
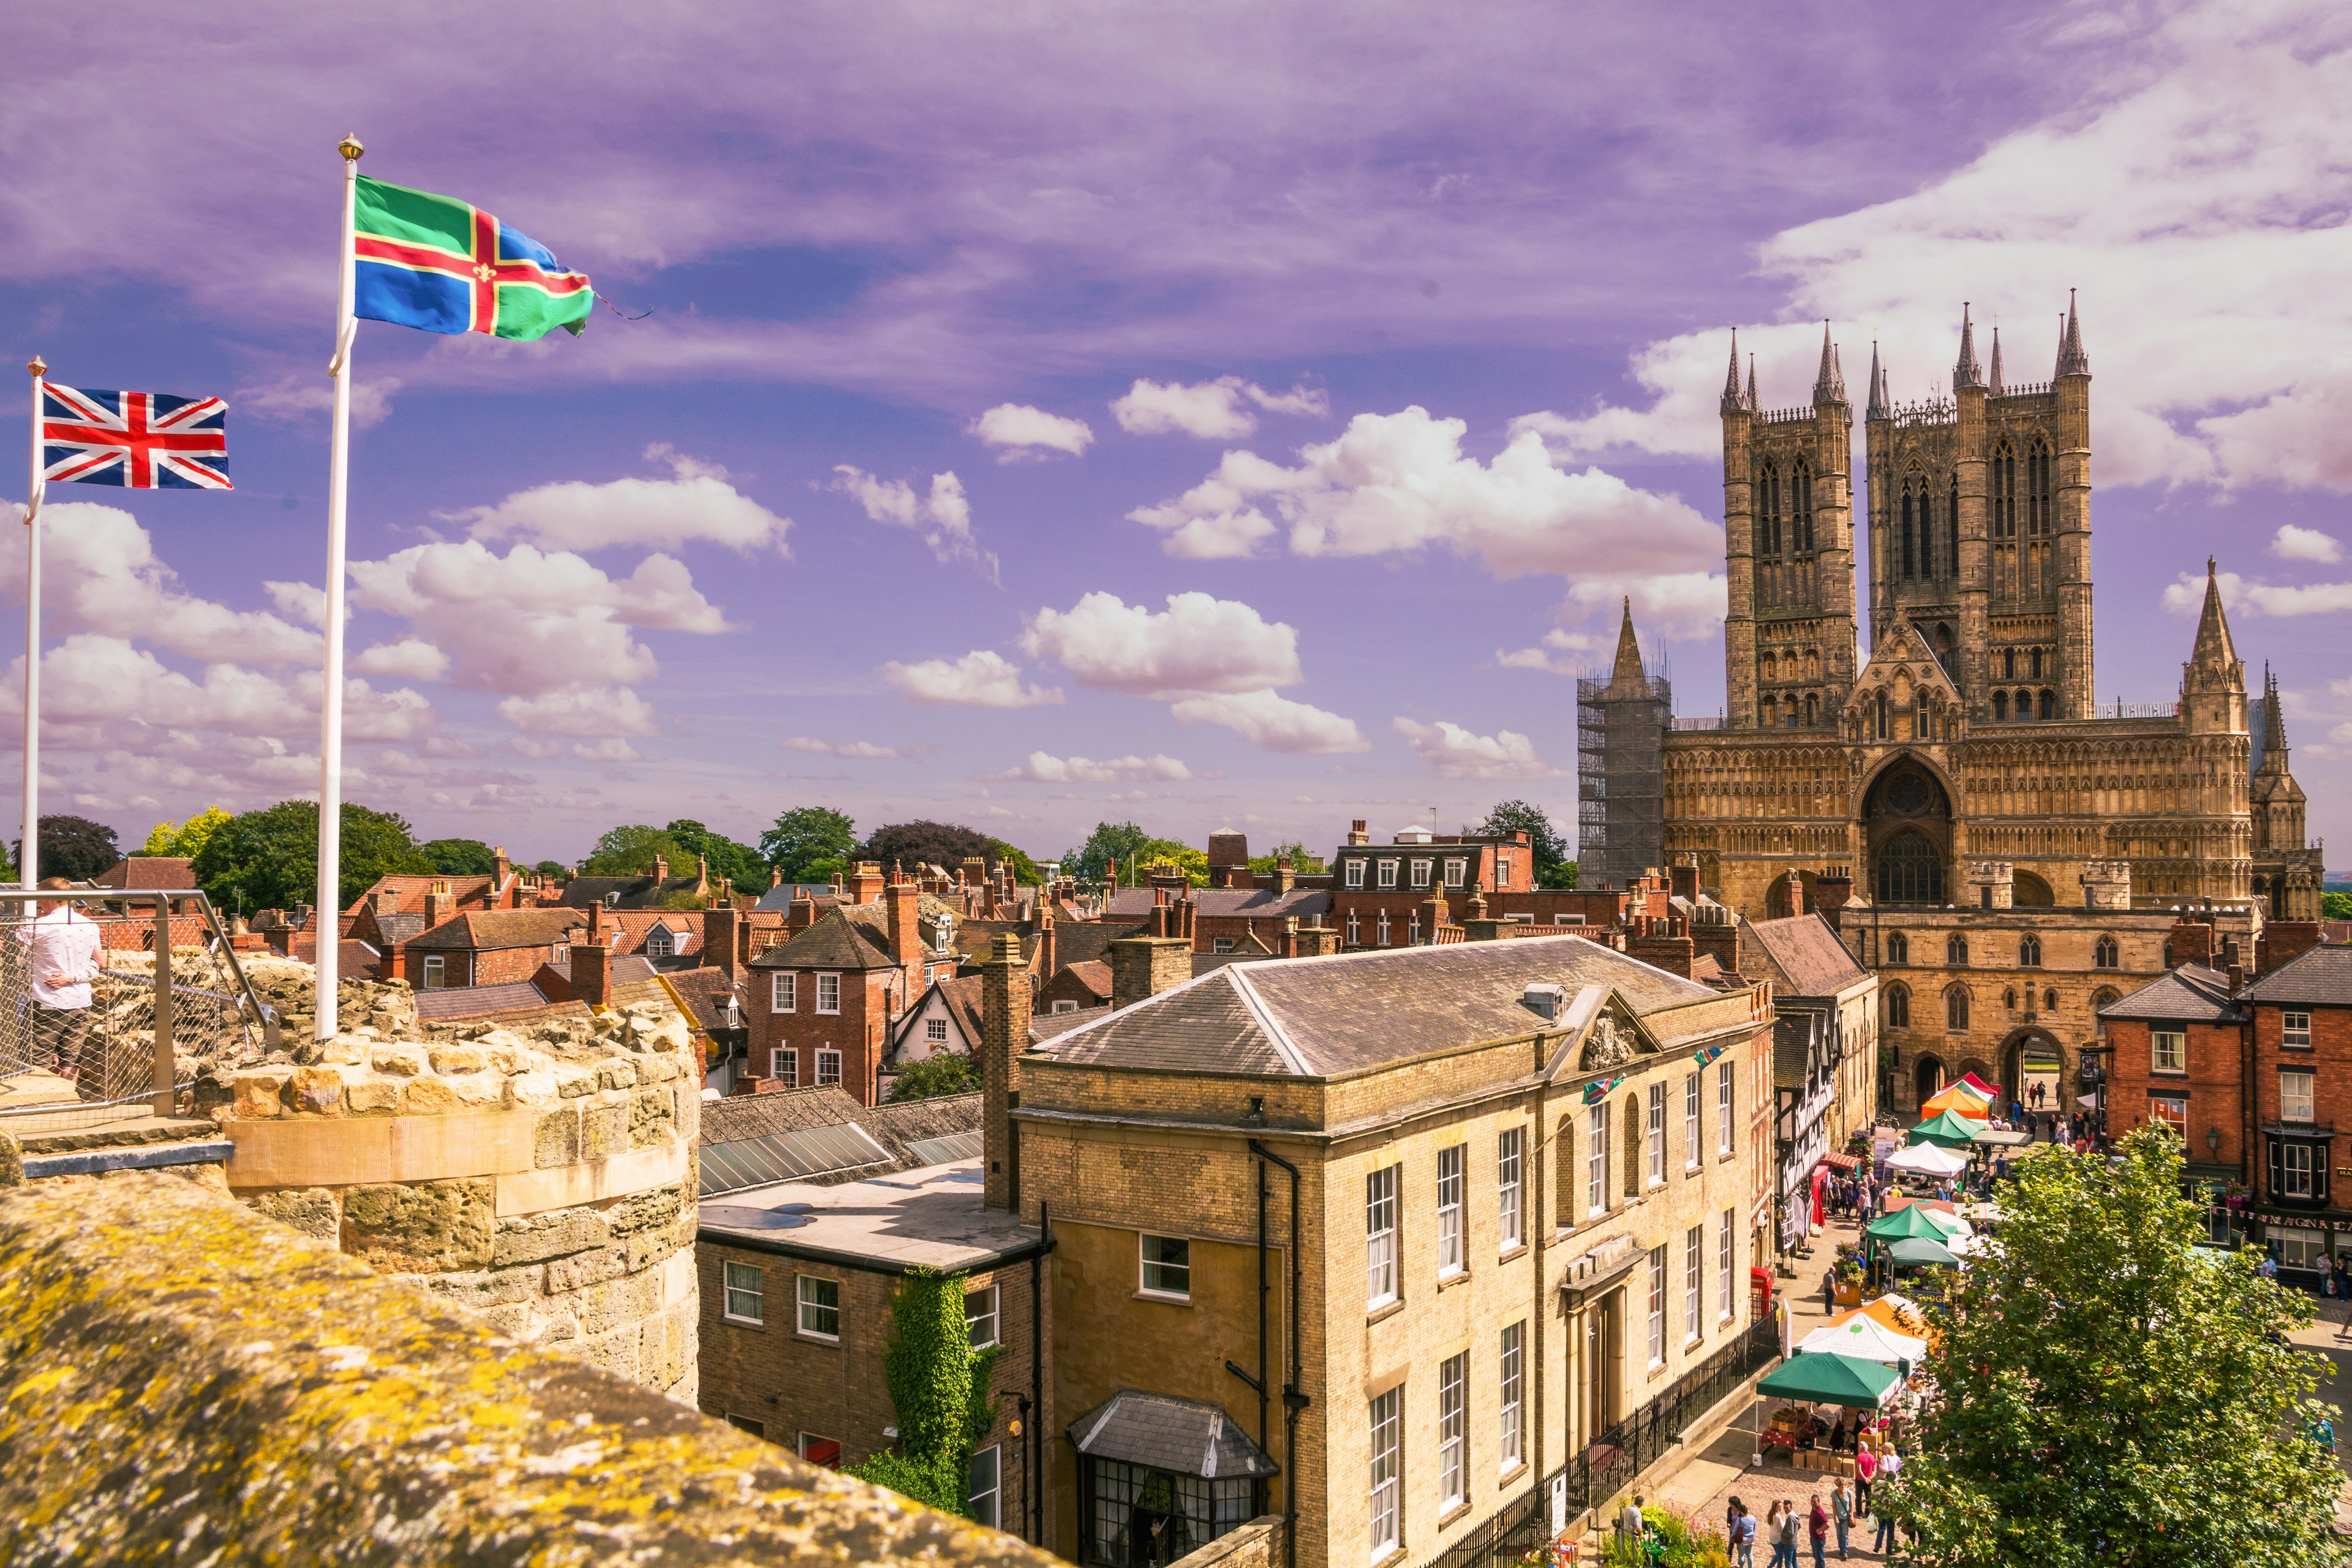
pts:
pixel 1915 1251
pixel 1829 1379
pixel 1912 1220
pixel 1949 1131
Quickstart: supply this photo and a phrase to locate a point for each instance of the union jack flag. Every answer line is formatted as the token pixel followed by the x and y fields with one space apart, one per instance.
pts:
pixel 144 440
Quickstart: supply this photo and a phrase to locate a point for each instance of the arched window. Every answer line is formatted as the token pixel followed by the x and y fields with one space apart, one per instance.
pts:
pixel 1766 711
pixel 1956 1008
pixel 1771 662
pixel 1952 530
pixel 1956 952
pixel 2034 661
pixel 1908 871
pixel 2024 706
pixel 1909 569
pixel 1767 513
pixel 1926 537
pixel 1898 949
pixel 1809 711
pixel 1881 708
pixel 2009 664
pixel 2029 951
pixel 2049 704
pixel 2105 956
pixel 2050 1000
pixel 2009 998
pixel 1801 508
pixel 1999 706
pixel 2004 492
pixel 2037 488
pixel 1898 1007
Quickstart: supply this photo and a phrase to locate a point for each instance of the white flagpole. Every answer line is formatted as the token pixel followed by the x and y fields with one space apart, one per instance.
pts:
pixel 33 486
pixel 326 921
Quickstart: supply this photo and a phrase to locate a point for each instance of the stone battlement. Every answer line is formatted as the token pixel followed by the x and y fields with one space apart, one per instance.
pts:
pixel 183 1380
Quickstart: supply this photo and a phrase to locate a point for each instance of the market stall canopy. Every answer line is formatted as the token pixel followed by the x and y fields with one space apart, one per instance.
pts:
pixel 1893 1310
pixel 1990 1091
pixel 1960 1098
pixel 1918 1252
pixel 1948 1129
pixel 2003 1137
pixel 1904 1223
pixel 1829 1379
pixel 1864 1338
pixel 1927 1160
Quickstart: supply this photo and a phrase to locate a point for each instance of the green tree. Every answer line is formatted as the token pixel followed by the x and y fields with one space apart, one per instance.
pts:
pixel 72 846
pixel 1550 850
pixel 1119 841
pixel 630 851
pixel 938 1386
pixel 269 858
pixel 185 837
pixel 911 844
pixel 1024 869
pixel 808 844
pixel 949 1072
pixel 2114 1395
pixel 1194 863
pixel 738 865
pixel 2336 906
pixel 460 857
pixel 553 869
pixel 1295 852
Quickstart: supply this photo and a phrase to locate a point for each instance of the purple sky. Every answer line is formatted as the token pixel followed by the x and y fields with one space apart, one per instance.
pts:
pixel 1218 416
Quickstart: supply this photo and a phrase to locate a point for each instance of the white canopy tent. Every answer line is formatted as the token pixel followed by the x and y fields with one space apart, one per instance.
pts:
pixel 1927 1160
pixel 1865 1339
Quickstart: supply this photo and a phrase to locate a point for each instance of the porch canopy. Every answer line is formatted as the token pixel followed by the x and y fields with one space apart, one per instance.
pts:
pixel 1165 1433
pixel 1829 1378
pixel 1946 1128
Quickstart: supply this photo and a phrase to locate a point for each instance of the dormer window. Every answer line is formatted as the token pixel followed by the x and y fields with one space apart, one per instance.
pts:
pixel 1355 873
pixel 1388 873
pixel 660 944
pixel 1421 869
pixel 1456 872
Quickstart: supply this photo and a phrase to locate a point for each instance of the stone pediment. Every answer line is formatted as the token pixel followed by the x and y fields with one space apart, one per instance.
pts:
pixel 1613 1039
pixel 1599 1269
pixel 1903 664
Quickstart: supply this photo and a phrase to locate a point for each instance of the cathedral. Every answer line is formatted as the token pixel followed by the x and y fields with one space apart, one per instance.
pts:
pixel 1971 736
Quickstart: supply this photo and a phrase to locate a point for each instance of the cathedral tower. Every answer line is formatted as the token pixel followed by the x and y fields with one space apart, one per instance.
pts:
pixel 1789 634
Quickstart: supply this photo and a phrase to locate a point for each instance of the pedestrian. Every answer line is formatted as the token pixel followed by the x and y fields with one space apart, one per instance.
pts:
pixel 1841 1515
pixel 1865 1466
pixel 1829 1291
pixel 1883 1542
pixel 1628 1526
pixel 1817 1531
pixel 1786 1541
pixel 1745 1539
pixel 64 960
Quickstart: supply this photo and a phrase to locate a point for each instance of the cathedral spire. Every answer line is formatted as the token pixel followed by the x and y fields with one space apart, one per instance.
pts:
pixel 1996 388
pixel 2214 650
pixel 2072 360
pixel 1828 386
pixel 1625 678
pixel 1731 400
pixel 1967 372
pixel 1752 383
pixel 1878 409
pixel 2274 725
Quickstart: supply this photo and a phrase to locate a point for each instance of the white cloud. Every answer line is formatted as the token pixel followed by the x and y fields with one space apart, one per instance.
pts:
pixel 611 749
pixel 2244 597
pixel 695 503
pixel 1454 752
pixel 104 683
pixel 289 398
pixel 1273 721
pixel 1546 654
pixel 1213 410
pixel 1198 644
pixel 410 658
pixel 981 678
pixel 1026 432
pixel 100 572
pixel 861 751
pixel 943 518
pixel 1043 768
pixel 582 711
pixel 2294 544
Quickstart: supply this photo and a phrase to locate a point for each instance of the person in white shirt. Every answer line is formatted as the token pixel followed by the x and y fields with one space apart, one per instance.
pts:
pixel 63 961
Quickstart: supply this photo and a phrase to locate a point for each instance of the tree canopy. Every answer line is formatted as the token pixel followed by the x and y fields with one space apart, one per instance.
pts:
pixel 630 850
pixel 945 844
pixel 460 857
pixel 2113 1393
pixel 1296 851
pixel 1120 841
pixel 738 865
pixel 2336 906
pixel 269 858
pixel 185 839
pixel 810 844
pixel 1024 869
pixel 1554 868
pixel 949 1072
pixel 72 846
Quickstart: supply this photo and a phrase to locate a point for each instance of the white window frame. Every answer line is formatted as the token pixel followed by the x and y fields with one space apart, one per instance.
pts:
pixel 2305 1106
pixel 1355 874
pixel 2295 1248
pixel 1422 867
pixel 822 988
pixel 2167 1051
pixel 1454 1432
pixel 813 1306
pixel 1510 1165
pixel 2294 1030
pixel 982 1504
pixel 1174 1278
pixel 1451 1251
pixel 828 1067
pixel 1220 944
pixel 744 1292
pixel 784 1065
pixel 1412 929
pixel 1654 1136
pixel 1694 1281
pixel 2298 1183
pixel 1384 1490
pixel 1726 1265
pixel 1355 936
pixel 1502 870
pixel 660 944
pixel 980 1319
pixel 1726 1098
pixel 783 992
pixel 1384 929
pixel 1658 1306
pixel 1387 879
pixel 935 1031
pixel 1596 1161
pixel 1693 1132
pixel 1063 1005
pixel 1383 1277
pixel 1458 870
pixel 2173 1103
pixel 1510 1397
pixel 437 971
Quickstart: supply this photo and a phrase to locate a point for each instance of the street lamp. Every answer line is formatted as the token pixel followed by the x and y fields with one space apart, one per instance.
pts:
pixel 2214 1139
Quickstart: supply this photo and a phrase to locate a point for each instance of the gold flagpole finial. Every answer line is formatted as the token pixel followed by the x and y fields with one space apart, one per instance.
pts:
pixel 351 148
pixel 36 364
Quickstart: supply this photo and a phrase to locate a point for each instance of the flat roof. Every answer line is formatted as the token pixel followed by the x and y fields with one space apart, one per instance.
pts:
pixel 934 1217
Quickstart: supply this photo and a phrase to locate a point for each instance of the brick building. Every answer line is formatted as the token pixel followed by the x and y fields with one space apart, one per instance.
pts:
pixel 1824 1060
pixel 488 947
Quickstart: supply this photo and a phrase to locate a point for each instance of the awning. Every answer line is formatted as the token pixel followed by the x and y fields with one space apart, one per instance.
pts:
pixel 1162 1432
pixel 1919 1252
pixel 1829 1379
pixel 1946 1128
pixel 1841 1162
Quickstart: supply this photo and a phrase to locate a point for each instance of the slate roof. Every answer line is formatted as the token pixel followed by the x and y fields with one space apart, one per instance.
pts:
pixel 1227 904
pixel 1093 973
pixel 781 895
pixel 705 993
pixel 1043 1027
pixel 934 1217
pixel 1345 1012
pixel 1088 942
pixel 147 871
pixel 480 1001
pixel 896 1127
pixel 1188 1436
pixel 2190 994
pixel 480 931
pixel 1802 956
pixel 637 893
pixel 621 969
pixel 835 942
pixel 2320 976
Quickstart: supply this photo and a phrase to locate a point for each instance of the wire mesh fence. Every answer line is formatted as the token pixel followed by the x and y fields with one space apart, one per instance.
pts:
pixel 111 1003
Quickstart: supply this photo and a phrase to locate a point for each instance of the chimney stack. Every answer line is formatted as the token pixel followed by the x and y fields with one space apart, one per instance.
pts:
pixel 904 920
pixel 722 938
pixel 1359 832
pixel 1833 890
pixel 1143 966
pixel 1004 1009
pixel 2190 940
pixel 661 871
pixel 1285 875
pixel 501 873
pixel 592 973
pixel 439 909
pixel 1683 878
pixel 802 914
pixel 775 877
pixel 865 882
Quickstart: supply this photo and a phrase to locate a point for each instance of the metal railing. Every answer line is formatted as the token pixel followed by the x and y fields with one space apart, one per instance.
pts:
pixel 169 999
pixel 1614 1459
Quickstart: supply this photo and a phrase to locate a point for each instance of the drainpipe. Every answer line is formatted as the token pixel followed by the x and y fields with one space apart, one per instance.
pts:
pixel 1033 1445
pixel 1294 1402
pixel 1258 1382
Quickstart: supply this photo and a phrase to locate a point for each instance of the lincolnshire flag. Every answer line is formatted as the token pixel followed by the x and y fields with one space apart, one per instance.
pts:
pixel 142 440
pixel 445 266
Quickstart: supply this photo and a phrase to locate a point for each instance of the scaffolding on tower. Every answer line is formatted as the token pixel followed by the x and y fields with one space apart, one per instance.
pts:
pixel 1621 798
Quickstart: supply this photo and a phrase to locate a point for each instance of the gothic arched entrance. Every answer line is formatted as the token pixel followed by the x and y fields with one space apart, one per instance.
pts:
pixel 1928 1078
pixel 2030 1058
pixel 1906 826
